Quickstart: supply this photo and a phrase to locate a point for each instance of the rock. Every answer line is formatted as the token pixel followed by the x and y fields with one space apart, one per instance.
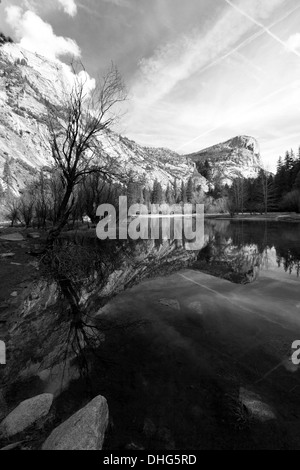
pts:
pixel 33 235
pixel 256 407
pixel 240 154
pixel 14 294
pixel 26 414
pixel 12 237
pixel 3 406
pixel 14 446
pixel 37 249
pixel 85 430
pixel 133 446
pixel 149 428
pixel 34 264
pixel 171 303
pixel 196 307
pixel 164 434
pixel 7 255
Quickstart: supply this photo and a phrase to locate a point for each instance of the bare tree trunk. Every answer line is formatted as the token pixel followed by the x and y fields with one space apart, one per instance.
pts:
pixel 62 216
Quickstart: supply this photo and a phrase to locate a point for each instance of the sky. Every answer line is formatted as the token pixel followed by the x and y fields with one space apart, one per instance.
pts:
pixel 198 72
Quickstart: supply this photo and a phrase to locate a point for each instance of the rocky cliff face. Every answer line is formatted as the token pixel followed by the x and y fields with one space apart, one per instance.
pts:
pixel 239 156
pixel 27 82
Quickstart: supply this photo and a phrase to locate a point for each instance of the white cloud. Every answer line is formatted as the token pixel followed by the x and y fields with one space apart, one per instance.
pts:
pixel 293 43
pixel 69 6
pixel 38 36
pixel 81 78
pixel 44 6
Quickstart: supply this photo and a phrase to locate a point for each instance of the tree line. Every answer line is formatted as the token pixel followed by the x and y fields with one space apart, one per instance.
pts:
pixel 176 192
pixel 266 193
pixel 41 200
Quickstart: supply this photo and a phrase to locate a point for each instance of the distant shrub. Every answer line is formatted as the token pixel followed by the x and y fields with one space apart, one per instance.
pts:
pixel 22 61
pixel 291 202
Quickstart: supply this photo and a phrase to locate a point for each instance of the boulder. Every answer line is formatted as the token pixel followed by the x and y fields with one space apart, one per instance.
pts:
pixel 26 414
pixel 14 446
pixel 85 430
pixel 3 406
pixel 255 405
pixel 7 255
pixel 33 235
pixel 171 303
pixel 12 237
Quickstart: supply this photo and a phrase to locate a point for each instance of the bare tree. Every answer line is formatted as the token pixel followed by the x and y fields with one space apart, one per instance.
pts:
pixel 237 194
pixel 26 210
pixel 74 132
pixel 12 211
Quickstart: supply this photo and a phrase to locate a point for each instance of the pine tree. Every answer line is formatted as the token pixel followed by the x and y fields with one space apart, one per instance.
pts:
pixel 132 195
pixel 2 194
pixel 154 192
pixel 147 197
pixel 280 164
pixel 297 181
pixel 157 194
pixel 141 199
pixel 288 165
pixel 176 192
pixel 189 190
pixel 183 193
pixel 281 178
pixel 160 194
pixel 169 195
pixel 288 161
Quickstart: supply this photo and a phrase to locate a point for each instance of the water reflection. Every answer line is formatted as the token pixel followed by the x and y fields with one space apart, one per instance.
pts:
pixel 250 247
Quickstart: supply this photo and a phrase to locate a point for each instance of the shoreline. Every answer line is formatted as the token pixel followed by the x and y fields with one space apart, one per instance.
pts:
pixel 273 217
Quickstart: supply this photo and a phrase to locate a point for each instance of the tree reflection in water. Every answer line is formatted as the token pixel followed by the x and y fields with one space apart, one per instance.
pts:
pixel 248 247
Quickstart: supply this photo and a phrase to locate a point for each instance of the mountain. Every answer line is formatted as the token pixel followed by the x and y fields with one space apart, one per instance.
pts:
pixel 27 82
pixel 239 156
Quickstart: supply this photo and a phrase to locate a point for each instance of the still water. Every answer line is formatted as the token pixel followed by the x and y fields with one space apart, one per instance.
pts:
pixel 261 248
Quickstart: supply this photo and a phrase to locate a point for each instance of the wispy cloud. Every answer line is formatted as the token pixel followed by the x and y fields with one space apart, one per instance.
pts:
pixel 260 25
pixel 177 61
pixel 119 3
pixel 240 113
pixel 230 75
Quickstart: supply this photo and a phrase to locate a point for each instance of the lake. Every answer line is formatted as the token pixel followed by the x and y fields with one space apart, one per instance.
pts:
pixel 258 248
